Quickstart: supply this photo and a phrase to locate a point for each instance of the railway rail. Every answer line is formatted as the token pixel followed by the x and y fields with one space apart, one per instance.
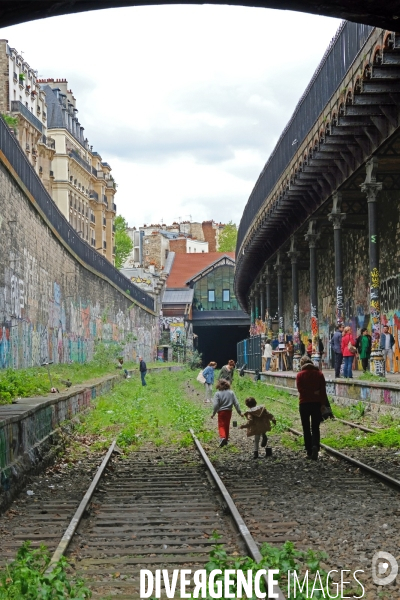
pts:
pixel 157 509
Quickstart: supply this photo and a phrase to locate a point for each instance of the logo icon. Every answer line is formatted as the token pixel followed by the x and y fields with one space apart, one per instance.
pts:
pixel 384 568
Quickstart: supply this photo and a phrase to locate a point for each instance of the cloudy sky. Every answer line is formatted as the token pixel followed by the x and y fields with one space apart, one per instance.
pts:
pixel 185 102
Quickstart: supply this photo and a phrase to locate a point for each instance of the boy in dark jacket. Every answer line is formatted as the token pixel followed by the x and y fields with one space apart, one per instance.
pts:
pixel 258 423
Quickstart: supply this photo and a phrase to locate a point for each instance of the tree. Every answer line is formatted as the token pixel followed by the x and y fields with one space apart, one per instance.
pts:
pixel 123 243
pixel 227 238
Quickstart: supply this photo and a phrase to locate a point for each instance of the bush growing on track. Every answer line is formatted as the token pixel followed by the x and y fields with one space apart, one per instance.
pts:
pixel 24 578
pixel 284 558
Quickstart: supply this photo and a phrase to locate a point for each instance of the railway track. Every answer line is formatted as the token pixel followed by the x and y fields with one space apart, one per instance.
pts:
pixel 159 509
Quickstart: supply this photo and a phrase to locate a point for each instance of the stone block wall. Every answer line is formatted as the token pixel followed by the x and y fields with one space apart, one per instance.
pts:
pixel 51 306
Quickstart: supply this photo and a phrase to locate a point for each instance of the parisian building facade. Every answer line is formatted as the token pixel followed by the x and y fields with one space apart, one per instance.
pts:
pixel 49 131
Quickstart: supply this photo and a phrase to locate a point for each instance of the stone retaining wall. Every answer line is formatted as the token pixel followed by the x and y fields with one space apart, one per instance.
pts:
pixel 30 435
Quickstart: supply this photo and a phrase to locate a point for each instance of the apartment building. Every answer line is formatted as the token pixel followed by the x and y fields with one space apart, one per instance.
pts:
pixel 21 96
pixel 82 187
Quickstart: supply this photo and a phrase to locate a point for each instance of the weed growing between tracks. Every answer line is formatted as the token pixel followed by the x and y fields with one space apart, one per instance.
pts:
pixel 285 559
pixel 25 577
pixel 159 413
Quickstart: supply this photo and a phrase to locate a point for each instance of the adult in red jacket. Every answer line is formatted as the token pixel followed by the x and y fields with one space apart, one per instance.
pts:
pixel 310 383
pixel 348 355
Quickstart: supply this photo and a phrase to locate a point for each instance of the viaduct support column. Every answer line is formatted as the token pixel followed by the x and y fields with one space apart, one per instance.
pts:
pixel 268 316
pixel 294 255
pixel 261 286
pixel 336 217
pixel 256 303
pixel 252 306
pixel 371 188
pixel 312 237
pixel 279 271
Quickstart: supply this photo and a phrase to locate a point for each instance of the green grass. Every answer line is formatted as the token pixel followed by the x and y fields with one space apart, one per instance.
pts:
pixel 387 438
pixel 23 383
pixel 159 413
pixel 25 577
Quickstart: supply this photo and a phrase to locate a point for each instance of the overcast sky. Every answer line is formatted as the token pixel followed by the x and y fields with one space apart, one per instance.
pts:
pixel 184 102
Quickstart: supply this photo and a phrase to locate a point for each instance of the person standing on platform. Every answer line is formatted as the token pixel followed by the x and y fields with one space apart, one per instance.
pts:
pixel 386 344
pixel 290 354
pixel 267 354
pixel 311 386
pixel 363 345
pixel 223 402
pixel 143 370
pixel 349 351
pixel 336 345
pixel 208 375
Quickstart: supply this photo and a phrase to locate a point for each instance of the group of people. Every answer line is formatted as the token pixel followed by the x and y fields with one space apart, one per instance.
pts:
pixel 345 348
pixel 271 346
pixel 311 386
pixel 258 419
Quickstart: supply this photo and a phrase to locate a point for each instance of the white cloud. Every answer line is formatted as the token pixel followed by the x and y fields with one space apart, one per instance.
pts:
pixel 185 102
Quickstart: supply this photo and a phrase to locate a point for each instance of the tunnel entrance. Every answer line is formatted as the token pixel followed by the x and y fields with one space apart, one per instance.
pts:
pixel 218 343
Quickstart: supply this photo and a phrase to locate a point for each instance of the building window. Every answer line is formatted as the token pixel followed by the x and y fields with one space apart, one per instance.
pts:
pixel 147 252
pixel 166 253
pixel 211 295
pixel 225 296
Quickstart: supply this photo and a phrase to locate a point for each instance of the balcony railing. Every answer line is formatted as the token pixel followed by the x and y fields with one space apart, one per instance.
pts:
pixel 94 195
pixel 18 107
pixel 50 143
pixel 114 207
pixel 74 154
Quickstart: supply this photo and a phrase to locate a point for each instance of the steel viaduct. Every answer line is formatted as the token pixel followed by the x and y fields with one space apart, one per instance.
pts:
pixel 339 154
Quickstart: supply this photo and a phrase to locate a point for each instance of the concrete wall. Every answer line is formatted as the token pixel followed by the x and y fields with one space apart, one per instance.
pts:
pixel 51 306
pixel 381 397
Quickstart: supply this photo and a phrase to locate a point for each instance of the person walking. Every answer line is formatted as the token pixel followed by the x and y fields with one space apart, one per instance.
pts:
pixel 227 371
pixel 208 375
pixel 258 423
pixel 143 370
pixel 267 354
pixel 311 386
pixel 348 351
pixel 386 344
pixel 363 345
pixel 223 402
pixel 336 345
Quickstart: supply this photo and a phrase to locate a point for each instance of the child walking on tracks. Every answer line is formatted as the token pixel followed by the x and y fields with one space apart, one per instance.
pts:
pixel 258 423
pixel 223 402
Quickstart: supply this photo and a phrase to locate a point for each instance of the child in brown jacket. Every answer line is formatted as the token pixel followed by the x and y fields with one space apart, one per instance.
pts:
pixel 258 423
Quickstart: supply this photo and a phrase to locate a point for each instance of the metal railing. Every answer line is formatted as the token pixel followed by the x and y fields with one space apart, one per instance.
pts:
pixel 50 143
pixel 94 195
pixel 18 107
pixel 74 154
pixel 336 62
pixel 249 353
pixel 17 158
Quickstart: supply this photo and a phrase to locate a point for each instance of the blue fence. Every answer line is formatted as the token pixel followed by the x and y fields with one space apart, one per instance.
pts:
pixel 249 353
